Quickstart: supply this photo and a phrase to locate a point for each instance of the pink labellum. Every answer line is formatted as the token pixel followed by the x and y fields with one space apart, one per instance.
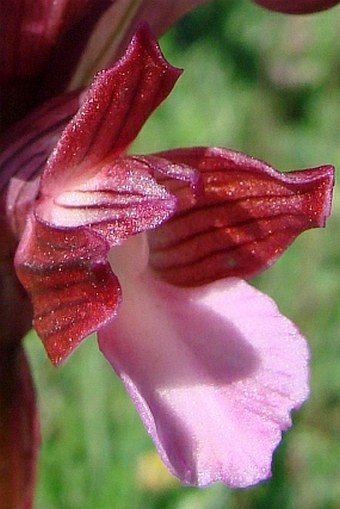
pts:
pixel 72 287
pixel 19 430
pixel 247 216
pixel 297 6
pixel 214 373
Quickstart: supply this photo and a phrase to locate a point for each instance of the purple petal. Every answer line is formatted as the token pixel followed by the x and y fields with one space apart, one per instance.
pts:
pixel 214 373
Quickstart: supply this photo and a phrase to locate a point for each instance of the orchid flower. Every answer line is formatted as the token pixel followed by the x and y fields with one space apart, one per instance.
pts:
pixel 297 6
pixel 152 252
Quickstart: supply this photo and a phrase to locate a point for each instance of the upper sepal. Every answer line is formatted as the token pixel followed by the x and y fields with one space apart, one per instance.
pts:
pixel 72 287
pixel 247 216
pixel 113 111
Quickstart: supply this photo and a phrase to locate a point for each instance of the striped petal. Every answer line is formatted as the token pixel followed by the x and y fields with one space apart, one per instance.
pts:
pixel 247 216
pixel 113 112
pixel 72 287
pixel 116 200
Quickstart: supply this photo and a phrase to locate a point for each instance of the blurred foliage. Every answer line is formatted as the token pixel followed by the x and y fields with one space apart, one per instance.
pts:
pixel 268 85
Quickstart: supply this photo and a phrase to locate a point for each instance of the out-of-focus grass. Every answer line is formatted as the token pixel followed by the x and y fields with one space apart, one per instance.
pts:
pixel 268 85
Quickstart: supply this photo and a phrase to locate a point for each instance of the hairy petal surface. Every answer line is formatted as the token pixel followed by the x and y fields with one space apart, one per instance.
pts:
pixel 113 111
pixel 297 6
pixel 19 430
pixel 72 287
pixel 214 373
pixel 117 200
pixel 246 217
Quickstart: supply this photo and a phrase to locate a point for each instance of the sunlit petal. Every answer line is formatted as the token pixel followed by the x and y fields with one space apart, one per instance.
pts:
pixel 72 287
pixel 246 217
pixel 214 373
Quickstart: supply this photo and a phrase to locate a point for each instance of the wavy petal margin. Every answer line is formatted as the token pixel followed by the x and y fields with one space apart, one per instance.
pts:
pixel 214 373
pixel 246 217
pixel 72 287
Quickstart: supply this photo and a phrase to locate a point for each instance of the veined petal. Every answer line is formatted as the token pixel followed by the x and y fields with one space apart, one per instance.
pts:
pixel 24 151
pixel 114 110
pixel 247 216
pixel 72 287
pixel 214 373
pixel 33 35
pixel 297 6
pixel 19 430
pixel 117 200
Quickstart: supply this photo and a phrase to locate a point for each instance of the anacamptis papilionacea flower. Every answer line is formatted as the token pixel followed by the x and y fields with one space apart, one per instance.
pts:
pixel 152 253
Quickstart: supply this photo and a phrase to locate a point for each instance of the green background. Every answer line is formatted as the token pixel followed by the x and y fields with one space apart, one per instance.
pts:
pixel 268 85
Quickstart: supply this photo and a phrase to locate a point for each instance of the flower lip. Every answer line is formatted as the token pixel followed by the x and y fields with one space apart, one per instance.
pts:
pixel 213 371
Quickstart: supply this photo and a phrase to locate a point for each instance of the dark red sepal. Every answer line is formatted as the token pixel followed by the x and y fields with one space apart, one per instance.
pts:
pixel 72 287
pixel 247 216
pixel 114 110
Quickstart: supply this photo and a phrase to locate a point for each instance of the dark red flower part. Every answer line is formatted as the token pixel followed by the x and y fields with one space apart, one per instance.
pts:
pixel 93 197
pixel 48 47
pixel 41 42
pixel 233 215
pixel 297 6
pixel 72 287
pixel 246 217
pixel 110 244
pixel 24 150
